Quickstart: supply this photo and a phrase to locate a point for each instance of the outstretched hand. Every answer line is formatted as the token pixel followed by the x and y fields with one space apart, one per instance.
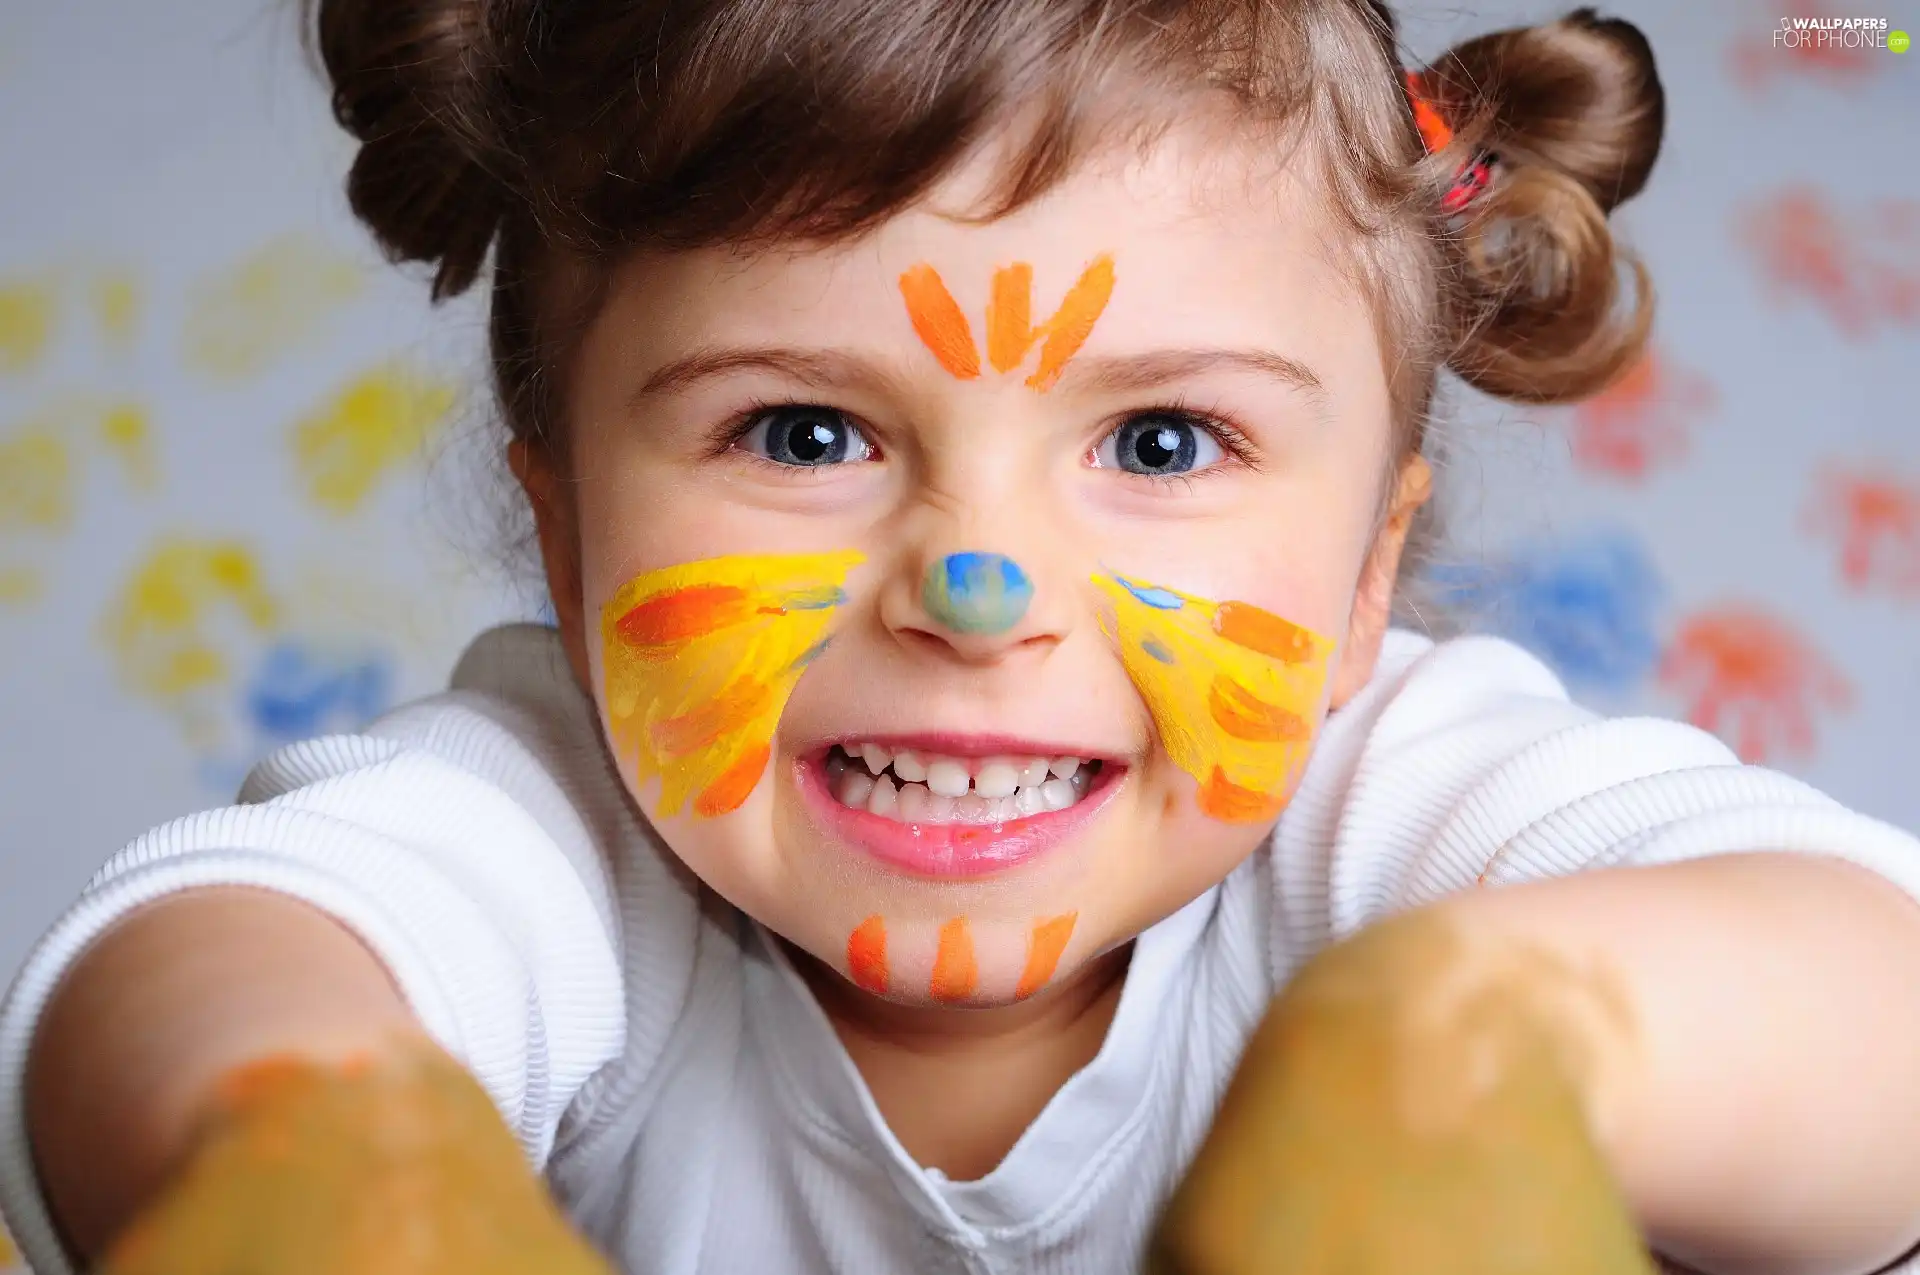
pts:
pixel 392 1166
pixel 1407 1106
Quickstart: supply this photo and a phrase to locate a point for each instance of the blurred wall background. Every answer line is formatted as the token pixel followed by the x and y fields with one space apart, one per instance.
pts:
pixel 247 494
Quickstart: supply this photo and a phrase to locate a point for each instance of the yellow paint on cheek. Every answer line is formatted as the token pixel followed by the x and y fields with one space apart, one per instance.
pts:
pixel 700 660
pixel 373 423
pixel 1235 691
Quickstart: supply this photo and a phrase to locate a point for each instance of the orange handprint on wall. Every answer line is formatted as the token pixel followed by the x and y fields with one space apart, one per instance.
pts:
pixel 1860 267
pixel 1876 519
pixel 1642 420
pixel 1752 679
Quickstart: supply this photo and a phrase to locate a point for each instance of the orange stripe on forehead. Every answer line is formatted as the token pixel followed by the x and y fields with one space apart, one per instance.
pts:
pixel 667 621
pixel 1073 322
pixel 1246 625
pixel 939 321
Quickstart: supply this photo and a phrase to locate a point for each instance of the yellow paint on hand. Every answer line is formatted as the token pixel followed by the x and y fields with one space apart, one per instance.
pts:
pixel 271 303
pixel 37 481
pixel 699 662
pixel 27 312
pixel 1236 692
pixel 392 1165
pixel 158 627
pixel 375 422
pixel 1410 1105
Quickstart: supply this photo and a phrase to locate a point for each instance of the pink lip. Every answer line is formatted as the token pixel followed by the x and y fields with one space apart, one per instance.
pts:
pixel 953 851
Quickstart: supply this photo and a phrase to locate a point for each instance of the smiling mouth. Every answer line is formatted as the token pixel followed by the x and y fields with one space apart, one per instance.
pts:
pixel 946 815
pixel 908 786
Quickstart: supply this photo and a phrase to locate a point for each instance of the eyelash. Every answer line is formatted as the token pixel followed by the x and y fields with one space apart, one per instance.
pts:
pixel 1237 448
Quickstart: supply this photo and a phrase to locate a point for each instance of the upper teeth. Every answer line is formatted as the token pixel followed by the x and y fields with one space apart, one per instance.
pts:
pixel 956 776
pixel 935 789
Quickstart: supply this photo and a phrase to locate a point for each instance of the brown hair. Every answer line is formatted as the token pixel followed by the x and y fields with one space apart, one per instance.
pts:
pixel 527 129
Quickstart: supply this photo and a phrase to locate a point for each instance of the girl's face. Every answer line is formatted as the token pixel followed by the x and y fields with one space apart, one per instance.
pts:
pixel 1195 399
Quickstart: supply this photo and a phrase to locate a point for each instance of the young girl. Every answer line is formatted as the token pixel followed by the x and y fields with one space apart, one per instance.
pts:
pixel 972 445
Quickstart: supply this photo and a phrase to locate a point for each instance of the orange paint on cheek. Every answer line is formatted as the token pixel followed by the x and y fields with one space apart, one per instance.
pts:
pixel 1244 715
pixel 955 972
pixel 938 320
pixel 867 955
pixel 705 725
pixel 661 624
pixel 730 790
pixel 1043 955
pixel 1263 631
pixel 1222 799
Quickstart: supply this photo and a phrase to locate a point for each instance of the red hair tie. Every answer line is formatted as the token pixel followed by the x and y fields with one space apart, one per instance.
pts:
pixel 1436 134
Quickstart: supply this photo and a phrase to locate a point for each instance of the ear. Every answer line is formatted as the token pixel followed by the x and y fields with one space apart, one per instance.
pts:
pixel 1373 599
pixel 558 529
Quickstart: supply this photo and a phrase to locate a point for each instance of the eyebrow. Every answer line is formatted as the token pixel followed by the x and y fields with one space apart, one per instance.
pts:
pixel 1109 374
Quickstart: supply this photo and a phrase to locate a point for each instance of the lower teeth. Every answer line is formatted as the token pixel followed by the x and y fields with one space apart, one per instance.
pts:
pixel 907 802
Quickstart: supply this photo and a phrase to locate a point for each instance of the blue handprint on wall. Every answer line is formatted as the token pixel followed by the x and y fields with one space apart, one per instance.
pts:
pixel 1588 606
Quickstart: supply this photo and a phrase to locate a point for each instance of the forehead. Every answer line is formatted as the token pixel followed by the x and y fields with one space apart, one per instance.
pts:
pixel 1213 242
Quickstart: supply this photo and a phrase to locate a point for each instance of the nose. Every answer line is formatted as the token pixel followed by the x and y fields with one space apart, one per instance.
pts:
pixel 977 606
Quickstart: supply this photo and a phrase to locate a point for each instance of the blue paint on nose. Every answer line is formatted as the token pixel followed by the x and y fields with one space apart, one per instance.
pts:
pixel 976 592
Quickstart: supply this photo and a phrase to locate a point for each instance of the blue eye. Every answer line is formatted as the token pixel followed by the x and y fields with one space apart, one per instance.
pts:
pixel 805 437
pixel 1158 445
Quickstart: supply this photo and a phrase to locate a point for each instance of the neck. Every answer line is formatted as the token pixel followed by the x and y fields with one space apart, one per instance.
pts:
pixel 993 1070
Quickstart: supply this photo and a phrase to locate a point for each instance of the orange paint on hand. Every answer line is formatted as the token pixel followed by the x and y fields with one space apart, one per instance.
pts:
pixel 939 321
pixel 730 791
pixel 660 625
pixel 1243 715
pixel 1049 940
pixel 955 972
pixel 867 955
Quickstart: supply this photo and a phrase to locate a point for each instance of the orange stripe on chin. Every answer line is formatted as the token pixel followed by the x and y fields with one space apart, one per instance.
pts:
pixel 955 973
pixel 867 955
pixel 1049 940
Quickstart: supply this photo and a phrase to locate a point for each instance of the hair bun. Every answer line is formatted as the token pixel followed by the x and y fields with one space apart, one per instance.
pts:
pixel 406 83
pixel 1575 112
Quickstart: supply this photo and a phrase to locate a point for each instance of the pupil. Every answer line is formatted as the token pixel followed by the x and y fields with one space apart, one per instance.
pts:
pixel 1159 447
pixel 808 440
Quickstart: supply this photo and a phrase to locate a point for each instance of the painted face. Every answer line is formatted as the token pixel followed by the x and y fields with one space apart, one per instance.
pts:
pixel 967 590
